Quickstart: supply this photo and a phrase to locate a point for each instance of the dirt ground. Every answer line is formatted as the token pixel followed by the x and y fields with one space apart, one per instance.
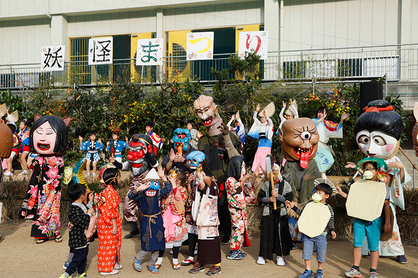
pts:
pixel 21 257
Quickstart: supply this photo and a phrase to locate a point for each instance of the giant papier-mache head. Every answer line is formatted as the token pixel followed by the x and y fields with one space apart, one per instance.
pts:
pixel 6 141
pixel 299 139
pixel 138 146
pixel 49 135
pixel 207 111
pixel 378 130
pixel 181 139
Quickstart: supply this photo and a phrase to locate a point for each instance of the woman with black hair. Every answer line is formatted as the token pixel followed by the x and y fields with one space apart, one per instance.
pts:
pixel 378 132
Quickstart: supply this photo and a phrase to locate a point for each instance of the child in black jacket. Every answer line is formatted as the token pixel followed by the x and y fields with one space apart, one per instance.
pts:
pixel 79 216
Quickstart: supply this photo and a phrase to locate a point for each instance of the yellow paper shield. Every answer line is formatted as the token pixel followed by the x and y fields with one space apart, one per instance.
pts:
pixel 365 199
pixel 314 219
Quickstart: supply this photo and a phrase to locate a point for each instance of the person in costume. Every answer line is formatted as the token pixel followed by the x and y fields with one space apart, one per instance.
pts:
pixel 291 112
pixel 218 147
pixel 205 213
pixel 195 134
pixel 49 138
pixel 378 132
pixel 115 147
pixel 157 141
pixel 80 217
pixel 275 236
pixel 15 150
pixel 323 190
pixel 110 226
pixel 326 130
pixel 140 160
pixel 238 126
pixel 147 195
pixel 369 229
pixel 24 145
pixel 263 131
pixel 92 146
pixel 182 148
pixel 195 160
pixel 240 191
pixel 172 207
pixel 6 144
pixel 299 139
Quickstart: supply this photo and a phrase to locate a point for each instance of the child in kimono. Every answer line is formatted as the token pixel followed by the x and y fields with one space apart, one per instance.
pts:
pixel 173 207
pixel 92 146
pixel 239 192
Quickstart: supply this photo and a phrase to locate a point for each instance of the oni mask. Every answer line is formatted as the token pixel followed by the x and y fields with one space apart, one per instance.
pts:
pixel 195 158
pixel 207 111
pixel 299 139
pixel 181 139
pixel 139 144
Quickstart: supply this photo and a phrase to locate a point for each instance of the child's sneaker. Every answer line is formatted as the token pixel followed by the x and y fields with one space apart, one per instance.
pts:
pixel 137 265
pixel 373 274
pixel 353 273
pixel 261 260
pixel 188 261
pixel 306 274
pixel 158 262
pixel 66 264
pixel 153 270
pixel 319 273
pixel 280 261
pixel 84 275
pixel 197 268
pixel 113 272
pixel 64 275
pixel 214 270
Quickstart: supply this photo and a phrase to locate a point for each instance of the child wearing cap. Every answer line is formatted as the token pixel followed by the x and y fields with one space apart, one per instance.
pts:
pixel 369 229
pixel 323 190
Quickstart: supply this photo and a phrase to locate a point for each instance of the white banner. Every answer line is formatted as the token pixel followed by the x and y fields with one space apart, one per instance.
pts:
pixel 200 46
pixel 253 41
pixel 101 51
pixel 53 58
pixel 149 52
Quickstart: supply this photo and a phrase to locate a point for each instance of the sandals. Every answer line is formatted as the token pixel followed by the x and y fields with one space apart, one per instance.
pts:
pixel 176 266
pixel 58 239
pixel 40 241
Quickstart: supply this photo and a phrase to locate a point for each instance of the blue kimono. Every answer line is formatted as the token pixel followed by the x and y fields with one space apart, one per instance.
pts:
pixel 152 229
pixel 92 149
pixel 120 146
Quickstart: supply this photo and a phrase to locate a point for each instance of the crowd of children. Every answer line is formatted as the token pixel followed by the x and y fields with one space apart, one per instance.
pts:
pixel 179 203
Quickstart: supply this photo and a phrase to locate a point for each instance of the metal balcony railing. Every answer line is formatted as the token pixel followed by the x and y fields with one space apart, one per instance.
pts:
pixel 396 62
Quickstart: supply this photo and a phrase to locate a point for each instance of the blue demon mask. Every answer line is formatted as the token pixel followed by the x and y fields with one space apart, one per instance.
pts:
pixel 195 158
pixel 181 139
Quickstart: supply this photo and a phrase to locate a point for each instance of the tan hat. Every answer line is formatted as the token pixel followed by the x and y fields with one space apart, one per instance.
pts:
pixel 290 111
pixel 15 116
pixel 3 108
pixel 326 181
pixel 270 109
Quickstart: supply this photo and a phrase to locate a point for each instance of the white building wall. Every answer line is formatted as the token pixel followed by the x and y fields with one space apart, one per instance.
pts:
pixel 213 16
pixel 326 24
pixel 112 24
pixel 26 8
pixel 21 41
